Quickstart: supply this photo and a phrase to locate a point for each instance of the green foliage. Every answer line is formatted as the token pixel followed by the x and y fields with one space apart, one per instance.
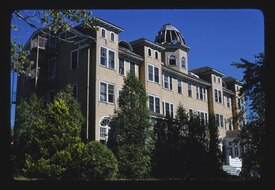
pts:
pixel 55 20
pixel 129 139
pixel 215 155
pixel 253 135
pixel 99 163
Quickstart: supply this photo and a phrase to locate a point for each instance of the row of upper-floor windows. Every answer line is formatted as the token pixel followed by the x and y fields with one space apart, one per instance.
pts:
pixel 173 61
pixel 103 34
pixel 153 53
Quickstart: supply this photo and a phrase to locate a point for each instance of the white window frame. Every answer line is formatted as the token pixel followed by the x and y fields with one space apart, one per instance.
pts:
pixel 154 102
pixel 219 96
pixel 107 92
pixel 71 56
pixel 184 62
pixel 149 50
pixel 189 87
pixel 105 33
pixel 124 73
pixel 112 33
pixel 220 120
pixel 176 60
pixel 156 53
pixel 170 81
pixel 205 116
pixel 180 86
pixel 107 58
pixel 170 108
pixel 154 77
pixel 201 91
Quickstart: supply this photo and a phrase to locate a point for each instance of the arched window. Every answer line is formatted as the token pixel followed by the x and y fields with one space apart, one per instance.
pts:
pixel 103 33
pixel 104 129
pixel 183 63
pixel 112 37
pixel 172 60
pixel 149 52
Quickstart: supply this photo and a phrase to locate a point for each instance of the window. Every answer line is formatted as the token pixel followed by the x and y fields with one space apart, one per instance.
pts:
pixel 228 101
pixel 189 89
pixel 240 103
pixel 214 78
pixel 156 55
pixel 74 59
pixel 218 96
pixel 111 59
pixel 103 56
pixel 103 33
pixel 112 37
pixel 172 60
pixel 104 129
pixel 183 63
pixel 219 80
pixel 229 121
pixel 75 91
pixel 132 67
pixel 107 54
pixel 219 120
pixel 167 81
pixel 179 86
pixel 107 92
pixel 51 69
pixel 154 103
pixel 203 117
pixel 201 93
pixel 121 67
pixel 149 52
pixel 168 109
pixel 153 73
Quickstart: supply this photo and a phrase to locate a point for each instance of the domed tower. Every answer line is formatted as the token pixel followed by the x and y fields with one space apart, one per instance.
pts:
pixel 176 53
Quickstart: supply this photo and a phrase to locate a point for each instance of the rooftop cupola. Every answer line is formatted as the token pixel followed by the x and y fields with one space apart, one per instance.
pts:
pixel 169 34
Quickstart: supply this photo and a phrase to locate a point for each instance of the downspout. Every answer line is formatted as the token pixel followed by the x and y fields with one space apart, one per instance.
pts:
pixel 88 94
pixel 37 58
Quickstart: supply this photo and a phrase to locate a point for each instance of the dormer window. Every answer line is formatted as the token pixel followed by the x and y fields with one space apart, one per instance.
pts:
pixel 172 60
pixel 183 63
pixel 103 33
pixel 112 37
pixel 149 52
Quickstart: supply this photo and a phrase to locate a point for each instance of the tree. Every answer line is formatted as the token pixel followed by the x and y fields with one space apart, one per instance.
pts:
pixel 129 137
pixel 253 134
pixel 215 155
pixel 99 163
pixel 53 20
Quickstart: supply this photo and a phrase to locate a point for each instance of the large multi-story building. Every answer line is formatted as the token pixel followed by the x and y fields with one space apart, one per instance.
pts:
pixel 95 62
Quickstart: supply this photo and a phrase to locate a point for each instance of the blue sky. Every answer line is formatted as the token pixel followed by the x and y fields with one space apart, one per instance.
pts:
pixel 217 37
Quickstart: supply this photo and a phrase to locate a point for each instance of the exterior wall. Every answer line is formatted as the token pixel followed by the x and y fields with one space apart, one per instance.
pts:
pixel 179 54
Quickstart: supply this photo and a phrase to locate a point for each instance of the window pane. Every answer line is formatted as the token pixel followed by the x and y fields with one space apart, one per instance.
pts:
pixel 156 55
pixel 172 110
pixel 189 90
pixel 183 63
pixel 111 59
pixel 156 74
pixel 165 81
pixel 220 96
pixel 151 103
pixel 111 93
pixel 171 83
pixel 121 66
pixel 216 95
pixel 112 37
pixel 103 56
pixel 150 71
pixel 132 67
pixel 172 60
pixel 167 109
pixel 179 86
pixel 103 33
pixel 149 52
pixel 103 92
pixel 103 132
pixel 157 103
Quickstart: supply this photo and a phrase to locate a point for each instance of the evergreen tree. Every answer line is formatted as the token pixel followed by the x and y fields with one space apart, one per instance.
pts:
pixel 129 137
pixel 254 134
pixel 215 161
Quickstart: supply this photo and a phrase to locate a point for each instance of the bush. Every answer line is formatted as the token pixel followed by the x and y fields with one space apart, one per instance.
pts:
pixel 98 163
